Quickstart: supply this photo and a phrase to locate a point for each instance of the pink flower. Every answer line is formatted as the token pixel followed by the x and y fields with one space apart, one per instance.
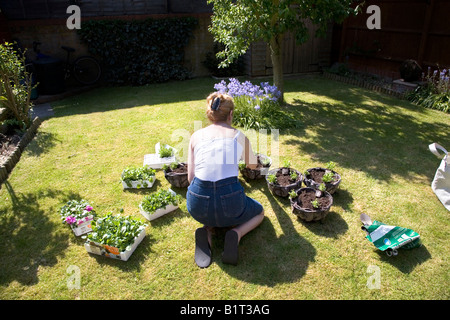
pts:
pixel 88 208
pixel 70 220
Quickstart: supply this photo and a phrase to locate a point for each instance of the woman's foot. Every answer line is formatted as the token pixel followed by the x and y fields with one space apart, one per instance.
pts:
pixel 202 248
pixel 230 253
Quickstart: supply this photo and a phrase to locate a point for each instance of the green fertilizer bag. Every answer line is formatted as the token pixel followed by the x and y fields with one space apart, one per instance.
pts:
pixel 389 238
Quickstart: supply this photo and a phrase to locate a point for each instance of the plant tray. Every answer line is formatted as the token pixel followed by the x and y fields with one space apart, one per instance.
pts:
pixel 155 162
pixel 139 184
pixel 113 252
pixel 158 213
pixel 84 227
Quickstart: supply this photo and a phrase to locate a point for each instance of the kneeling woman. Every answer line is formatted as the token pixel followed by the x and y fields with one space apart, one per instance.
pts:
pixel 215 197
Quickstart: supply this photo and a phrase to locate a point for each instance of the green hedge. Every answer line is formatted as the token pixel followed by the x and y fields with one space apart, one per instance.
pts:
pixel 139 52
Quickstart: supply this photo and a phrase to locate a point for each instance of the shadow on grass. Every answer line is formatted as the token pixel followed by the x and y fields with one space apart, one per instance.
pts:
pixel 266 258
pixel 378 135
pixel 123 97
pixel 28 238
pixel 407 260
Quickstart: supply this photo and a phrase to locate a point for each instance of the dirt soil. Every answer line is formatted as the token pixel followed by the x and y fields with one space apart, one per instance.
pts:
pixel 181 168
pixel 306 196
pixel 284 177
pixel 7 145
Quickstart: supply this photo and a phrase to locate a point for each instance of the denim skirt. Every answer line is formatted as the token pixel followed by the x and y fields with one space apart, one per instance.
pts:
pixel 221 203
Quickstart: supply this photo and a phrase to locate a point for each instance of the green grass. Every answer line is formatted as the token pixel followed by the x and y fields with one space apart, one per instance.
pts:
pixel 380 146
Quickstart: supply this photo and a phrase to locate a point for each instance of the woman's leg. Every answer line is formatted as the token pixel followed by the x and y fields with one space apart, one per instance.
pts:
pixel 230 253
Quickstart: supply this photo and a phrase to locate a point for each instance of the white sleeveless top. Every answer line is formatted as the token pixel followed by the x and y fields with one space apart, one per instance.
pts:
pixel 218 158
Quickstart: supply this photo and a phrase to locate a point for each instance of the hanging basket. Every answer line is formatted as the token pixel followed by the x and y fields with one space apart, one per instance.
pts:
pixel 314 178
pixel 282 190
pixel 177 177
pixel 302 207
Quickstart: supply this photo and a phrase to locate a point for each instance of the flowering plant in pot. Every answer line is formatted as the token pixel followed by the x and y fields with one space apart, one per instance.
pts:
pixel 311 204
pixel 264 163
pixel 159 203
pixel 115 236
pixel 282 180
pixel 177 174
pixel 138 177
pixel 78 214
pixel 316 176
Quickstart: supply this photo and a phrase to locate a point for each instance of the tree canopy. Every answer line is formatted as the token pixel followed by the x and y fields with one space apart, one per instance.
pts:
pixel 239 23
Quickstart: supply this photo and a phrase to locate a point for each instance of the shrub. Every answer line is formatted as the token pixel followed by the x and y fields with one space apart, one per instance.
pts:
pixel 15 85
pixel 435 93
pixel 139 52
pixel 256 106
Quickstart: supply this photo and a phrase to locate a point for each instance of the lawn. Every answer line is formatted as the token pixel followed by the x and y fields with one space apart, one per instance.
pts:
pixel 380 146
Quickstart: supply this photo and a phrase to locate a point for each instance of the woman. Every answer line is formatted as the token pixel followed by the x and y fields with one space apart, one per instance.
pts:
pixel 215 197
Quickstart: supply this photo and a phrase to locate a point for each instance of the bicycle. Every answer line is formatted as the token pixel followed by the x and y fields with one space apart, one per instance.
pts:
pixel 85 69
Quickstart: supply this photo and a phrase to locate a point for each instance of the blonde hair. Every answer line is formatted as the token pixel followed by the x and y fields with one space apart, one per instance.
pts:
pixel 224 109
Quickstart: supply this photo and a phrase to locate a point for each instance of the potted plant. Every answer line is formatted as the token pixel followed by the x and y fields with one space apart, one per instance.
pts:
pixel 282 180
pixel 164 154
pixel 138 177
pixel 263 165
pixel 159 203
pixel 311 204
pixel 115 236
pixel 315 176
pixel 177 174
pixel 78 214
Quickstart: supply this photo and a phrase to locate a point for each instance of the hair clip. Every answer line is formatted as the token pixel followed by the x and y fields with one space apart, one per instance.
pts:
pixel 216 104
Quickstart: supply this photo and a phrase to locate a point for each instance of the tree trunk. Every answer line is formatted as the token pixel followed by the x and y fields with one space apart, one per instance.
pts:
pixel 277 63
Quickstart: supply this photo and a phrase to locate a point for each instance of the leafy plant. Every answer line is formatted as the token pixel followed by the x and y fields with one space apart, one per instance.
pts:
pixel 286 164
pixel 330 165
pixel 294 175
pixel 264 161
pixel 315 203
pixel 256 106
pixel 76 212
pixel 242 165
pixel 15 85
pixel 435 93
pixel 140 174
pixel 328 177
pixel 272 178
pixel 293 194
pixel 116 231
pixel 165 152
pixel 159 200
pixel 140 52
pixel 322 187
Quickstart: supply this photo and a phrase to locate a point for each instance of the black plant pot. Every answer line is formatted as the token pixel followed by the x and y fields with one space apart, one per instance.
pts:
pixel 331 187
pixel 176 179
pixel 283 190
pixel 306 212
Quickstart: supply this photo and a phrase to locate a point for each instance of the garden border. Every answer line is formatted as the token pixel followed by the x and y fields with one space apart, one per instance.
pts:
pixel 363 84
pixel 7 167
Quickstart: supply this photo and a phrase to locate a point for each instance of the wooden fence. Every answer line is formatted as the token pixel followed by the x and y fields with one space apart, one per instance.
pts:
pixel 412 29
pixel 55 9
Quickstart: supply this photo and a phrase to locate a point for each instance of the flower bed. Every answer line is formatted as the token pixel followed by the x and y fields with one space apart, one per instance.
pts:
pixel 256 106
